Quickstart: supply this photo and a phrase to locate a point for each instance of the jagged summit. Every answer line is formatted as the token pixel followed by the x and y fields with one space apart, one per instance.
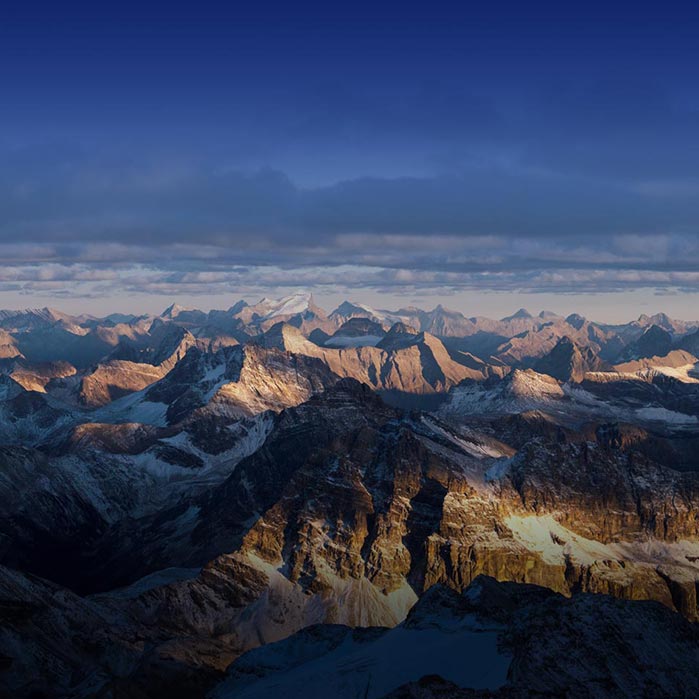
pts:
pixel 32 317
pixel 521 314
pixel 567 361
pixel 347 309
pixel 661 319
pixel 400 328
pixel 237 307
pixel 286 337
pixel 173 310
pixel 360 326
pixel 654 342
pixel 576 320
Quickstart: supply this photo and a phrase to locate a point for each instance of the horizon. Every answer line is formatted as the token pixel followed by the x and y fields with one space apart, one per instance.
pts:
pixel 318 300
pixel 475 155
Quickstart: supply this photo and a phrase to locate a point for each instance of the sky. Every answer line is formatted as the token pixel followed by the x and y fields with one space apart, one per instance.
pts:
pixel 485 156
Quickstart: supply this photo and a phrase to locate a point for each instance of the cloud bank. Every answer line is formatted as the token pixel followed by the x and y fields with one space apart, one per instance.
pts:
pixel 79 226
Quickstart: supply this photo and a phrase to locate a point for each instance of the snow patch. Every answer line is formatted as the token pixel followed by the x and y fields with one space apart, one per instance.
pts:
pixel 666 416
pixel 289 305
pixel 479 450
pixel 555 543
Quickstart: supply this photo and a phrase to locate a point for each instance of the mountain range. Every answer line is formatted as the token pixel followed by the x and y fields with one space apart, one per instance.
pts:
pixel 355 503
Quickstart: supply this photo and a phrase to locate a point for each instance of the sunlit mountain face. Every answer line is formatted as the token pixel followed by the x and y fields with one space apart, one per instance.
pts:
pixel 349 351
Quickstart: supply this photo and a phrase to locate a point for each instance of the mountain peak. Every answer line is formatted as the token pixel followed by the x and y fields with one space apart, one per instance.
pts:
pixel 568 361
pixel 654 342
pixel 400 336
pixel 173 310
pixel 400 328
pixel 237 307
pixel 295 303
pixel 348 309
pixel 522 313
pixel 576 320
pixel 662 319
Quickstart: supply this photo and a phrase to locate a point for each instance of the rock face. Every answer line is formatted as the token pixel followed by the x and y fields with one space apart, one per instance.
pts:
pixel 135 366
pixel 514 393
pixel 8 346
pixel 36 377
pixel 347 493
pixel 400 336
pixel 28 418
pixel 568 362
pixel 404 360
pixel 356 332
pixel 677 359
pixel 410 504
pixel 655 342
pixel 230 382
pixel 64 507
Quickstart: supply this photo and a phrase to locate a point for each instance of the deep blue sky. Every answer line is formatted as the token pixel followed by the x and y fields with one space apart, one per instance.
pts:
pixel 393 153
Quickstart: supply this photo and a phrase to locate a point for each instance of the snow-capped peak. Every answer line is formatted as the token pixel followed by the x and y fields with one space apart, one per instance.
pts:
pixel 351 309
pixel 298 302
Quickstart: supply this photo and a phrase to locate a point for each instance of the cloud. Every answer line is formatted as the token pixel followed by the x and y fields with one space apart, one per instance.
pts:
pixel 79 225
pixel 84 199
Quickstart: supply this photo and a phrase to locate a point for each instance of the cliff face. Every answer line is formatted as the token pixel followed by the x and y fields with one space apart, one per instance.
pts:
pixel 369 509
pixel 404 360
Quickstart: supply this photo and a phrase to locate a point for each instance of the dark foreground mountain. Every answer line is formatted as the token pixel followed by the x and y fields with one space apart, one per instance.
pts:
pixel 497 640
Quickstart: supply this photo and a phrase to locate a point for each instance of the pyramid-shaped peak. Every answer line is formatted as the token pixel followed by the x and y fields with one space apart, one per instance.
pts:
pixel 575 320
pixel 173 310
pixel 521 314
pixel 400 328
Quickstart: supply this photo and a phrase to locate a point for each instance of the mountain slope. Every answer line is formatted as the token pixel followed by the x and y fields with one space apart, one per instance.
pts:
pixel 655 342
pixel 404 360
pixel 569 362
